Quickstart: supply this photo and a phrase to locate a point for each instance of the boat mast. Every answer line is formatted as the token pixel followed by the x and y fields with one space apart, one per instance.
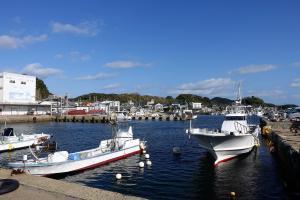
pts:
pixel 238 100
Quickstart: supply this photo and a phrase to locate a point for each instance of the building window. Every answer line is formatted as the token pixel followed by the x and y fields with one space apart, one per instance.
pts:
pixel 12 81
pixel 23 82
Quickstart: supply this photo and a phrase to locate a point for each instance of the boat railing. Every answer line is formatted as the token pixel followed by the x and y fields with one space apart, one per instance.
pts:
pixel 241 128
pixel 205 130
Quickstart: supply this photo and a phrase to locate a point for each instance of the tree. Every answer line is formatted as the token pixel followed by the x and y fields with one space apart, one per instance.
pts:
pixel 42 91
pixel 253 101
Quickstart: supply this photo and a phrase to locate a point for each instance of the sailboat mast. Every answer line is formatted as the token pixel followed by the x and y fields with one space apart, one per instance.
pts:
pixel 238 94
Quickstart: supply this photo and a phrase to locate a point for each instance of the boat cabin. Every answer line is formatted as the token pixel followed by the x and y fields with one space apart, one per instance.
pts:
pixel 235 124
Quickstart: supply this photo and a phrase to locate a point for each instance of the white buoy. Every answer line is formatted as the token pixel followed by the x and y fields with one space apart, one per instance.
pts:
pixel 148 162
pixel 141 164
pixel 144 151
pixel 147 156
pixel 118 176
pixel 24 157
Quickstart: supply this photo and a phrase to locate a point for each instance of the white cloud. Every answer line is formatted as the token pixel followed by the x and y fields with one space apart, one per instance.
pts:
pixel 295 83
pixel 59 56
pixel 96 76
pixel 77 56
pixel 297 96
pixel 124 64
pixel 250 69
pixel 36 69
pixel 111 86
pixel 209 87
pixel 11 42
pixel 88 28
pixel 296 64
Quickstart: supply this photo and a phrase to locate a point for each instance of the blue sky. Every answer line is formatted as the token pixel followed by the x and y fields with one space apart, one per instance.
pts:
pixel 156 47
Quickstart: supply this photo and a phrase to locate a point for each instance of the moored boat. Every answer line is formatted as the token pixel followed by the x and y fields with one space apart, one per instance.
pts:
pixel 120 146
pixel 9 141
pixel 236 136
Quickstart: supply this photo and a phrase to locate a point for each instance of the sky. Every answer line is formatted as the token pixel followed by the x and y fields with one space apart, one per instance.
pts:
pixel 156 47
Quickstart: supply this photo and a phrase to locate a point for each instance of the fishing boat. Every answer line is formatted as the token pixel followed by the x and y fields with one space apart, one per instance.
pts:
pixel 9 141
pixel 236 136
pixel 122 116
pixel 120 146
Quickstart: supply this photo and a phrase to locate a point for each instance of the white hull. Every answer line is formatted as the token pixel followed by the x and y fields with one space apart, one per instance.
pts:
pixel 76 165
pixel 224 146
pixel 63 162
pixel 14 142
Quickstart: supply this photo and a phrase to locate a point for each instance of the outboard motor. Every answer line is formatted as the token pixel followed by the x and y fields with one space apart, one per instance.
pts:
pixel 8 132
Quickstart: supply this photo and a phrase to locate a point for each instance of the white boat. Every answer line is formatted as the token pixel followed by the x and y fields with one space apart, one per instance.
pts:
pixel 121 146
pixel 236 136
pixel 122 116
pixel 259 112
pixel 188 115
pixel 9 141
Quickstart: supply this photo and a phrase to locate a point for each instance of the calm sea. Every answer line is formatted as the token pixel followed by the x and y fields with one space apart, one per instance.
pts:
pixel 188 176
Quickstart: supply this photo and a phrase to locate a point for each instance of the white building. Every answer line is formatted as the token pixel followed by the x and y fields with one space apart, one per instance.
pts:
pixel 17 88
pixel 196 106
pixel 17 95
pixel 107 106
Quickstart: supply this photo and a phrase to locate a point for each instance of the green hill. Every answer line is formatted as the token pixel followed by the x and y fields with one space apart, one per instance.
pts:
pixel 42 91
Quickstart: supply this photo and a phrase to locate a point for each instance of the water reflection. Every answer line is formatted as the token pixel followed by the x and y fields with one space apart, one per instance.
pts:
pixel 188 176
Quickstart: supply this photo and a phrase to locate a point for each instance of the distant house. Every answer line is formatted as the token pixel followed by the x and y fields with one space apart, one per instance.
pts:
pixel 196 106
pixel 107 106
pixel 150 103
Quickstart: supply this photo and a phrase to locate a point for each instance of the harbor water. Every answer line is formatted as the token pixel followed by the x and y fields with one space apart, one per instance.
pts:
pixel 190 175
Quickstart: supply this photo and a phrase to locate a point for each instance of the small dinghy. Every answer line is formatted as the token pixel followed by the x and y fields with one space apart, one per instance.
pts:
pixel 120 146
pixel 9 141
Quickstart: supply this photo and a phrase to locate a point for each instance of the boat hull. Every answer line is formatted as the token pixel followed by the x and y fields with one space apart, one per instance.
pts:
pixel 225 147
pixel 78 165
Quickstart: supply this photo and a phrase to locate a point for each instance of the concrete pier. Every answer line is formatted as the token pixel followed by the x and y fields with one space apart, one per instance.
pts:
pixel 78 118
pixel 287 147
pixel 107 118
pixel 37 188
pixel 25 118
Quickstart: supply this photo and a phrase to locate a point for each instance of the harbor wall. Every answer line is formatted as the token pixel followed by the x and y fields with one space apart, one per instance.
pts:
pixel 108 118
pixel 286 145
pixel 78 118
pixel 25 118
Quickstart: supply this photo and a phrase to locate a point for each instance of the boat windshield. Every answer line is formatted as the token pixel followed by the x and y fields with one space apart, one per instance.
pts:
pixel 235 118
